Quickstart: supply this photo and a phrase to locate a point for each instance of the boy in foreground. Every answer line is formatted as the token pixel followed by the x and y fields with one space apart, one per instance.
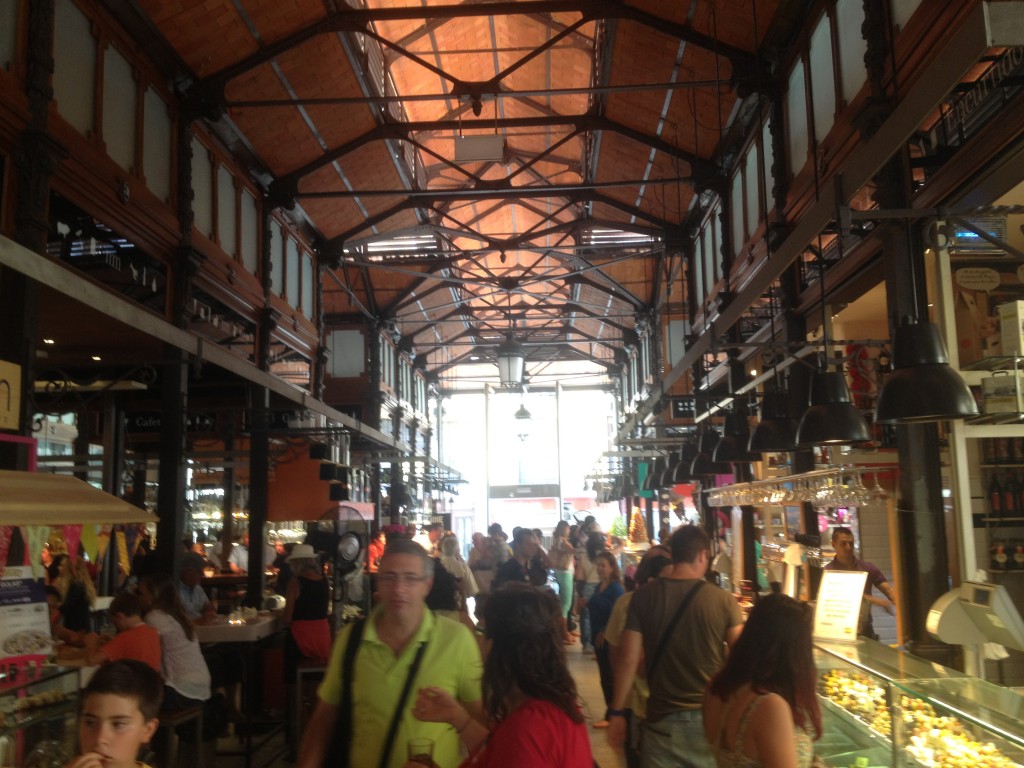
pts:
pixel 118 716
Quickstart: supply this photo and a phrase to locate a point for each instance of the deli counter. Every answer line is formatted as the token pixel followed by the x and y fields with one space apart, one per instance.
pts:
pixel 885 707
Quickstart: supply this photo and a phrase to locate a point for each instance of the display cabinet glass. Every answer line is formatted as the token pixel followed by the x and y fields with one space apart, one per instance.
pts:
pixel 885 707
pixel 38 712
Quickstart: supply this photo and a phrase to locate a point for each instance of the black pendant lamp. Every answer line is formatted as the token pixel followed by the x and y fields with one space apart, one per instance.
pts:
pixel 922 386
pixel 666 480
pixel 688 453
pixel 655 469
pixel 776 431
pixel 733 445
pixel 832 418
pixel 628 489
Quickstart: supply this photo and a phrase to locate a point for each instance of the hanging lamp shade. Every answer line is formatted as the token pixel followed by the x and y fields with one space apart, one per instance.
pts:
pixel 777 431
pixel 922 386
pixel 655 469
pixel 832 419
pixel 511 358
pixel 707 439
pixel 628 488
pixel 682 472
pixel 522 414
pixel 665 480
pixel 733 445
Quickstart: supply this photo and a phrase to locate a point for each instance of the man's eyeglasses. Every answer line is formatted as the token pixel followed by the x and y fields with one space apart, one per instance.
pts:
pixel 399 578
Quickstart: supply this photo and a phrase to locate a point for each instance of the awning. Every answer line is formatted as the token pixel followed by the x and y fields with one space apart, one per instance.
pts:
pixel 41 498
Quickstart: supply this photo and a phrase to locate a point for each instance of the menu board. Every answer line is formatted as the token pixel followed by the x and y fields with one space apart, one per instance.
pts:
pixel 838 607
pixel 24 619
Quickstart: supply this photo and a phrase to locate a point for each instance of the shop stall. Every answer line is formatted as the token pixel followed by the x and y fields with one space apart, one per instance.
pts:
pixel 38 697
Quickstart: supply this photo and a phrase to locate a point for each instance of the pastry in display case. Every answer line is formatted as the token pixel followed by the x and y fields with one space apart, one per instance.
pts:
pixel 884 707
pixel 38 712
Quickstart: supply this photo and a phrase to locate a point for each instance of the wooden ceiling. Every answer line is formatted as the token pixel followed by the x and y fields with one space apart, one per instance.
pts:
pixel 609 119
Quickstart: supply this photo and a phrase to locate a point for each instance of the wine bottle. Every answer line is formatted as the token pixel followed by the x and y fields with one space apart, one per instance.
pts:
pixel 995 497
pixel 1011 495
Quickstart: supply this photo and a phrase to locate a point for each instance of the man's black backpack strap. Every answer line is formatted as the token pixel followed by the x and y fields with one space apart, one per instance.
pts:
pixel 663 642
pixel 338 750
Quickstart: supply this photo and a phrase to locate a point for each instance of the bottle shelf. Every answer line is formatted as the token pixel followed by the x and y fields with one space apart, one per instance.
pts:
pixel 1007 520
pixel 1001 466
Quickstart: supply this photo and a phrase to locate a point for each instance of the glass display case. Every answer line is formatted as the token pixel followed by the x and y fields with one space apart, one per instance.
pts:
pixel 885 707
pixel 38 712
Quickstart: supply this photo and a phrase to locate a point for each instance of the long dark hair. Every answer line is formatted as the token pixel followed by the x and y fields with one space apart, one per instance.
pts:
pixel 523 625
pixel 595 544
pixel 774 654
pixel 616 577
pixel 167 599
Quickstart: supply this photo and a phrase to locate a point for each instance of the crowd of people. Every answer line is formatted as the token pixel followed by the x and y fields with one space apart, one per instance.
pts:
pixel 685 681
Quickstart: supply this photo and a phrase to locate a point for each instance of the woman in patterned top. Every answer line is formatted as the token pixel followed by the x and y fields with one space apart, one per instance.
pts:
pixel 761 709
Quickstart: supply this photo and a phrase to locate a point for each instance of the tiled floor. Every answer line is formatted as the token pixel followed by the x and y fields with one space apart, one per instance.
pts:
pixel 583 668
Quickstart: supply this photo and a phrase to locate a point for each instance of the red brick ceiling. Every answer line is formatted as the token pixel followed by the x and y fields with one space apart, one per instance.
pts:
pixel 583 107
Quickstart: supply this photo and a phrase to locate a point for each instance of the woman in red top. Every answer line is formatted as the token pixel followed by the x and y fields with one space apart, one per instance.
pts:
pixel 529 696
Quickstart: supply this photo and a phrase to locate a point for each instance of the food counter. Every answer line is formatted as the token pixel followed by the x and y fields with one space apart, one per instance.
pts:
pixel 884 707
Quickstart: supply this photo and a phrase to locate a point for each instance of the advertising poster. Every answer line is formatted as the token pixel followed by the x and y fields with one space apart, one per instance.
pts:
pixel 24 620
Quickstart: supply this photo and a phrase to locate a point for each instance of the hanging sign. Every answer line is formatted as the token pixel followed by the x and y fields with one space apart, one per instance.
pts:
pixel 10 395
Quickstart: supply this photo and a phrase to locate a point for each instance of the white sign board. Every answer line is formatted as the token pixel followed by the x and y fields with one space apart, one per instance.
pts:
pixel 837 610
pixel 24 621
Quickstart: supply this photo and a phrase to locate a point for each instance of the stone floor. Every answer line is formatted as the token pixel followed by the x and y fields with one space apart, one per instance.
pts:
pixel 583 668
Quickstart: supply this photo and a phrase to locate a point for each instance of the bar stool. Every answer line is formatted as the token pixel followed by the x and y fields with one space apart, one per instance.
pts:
pixel 169 722
pixel 305 673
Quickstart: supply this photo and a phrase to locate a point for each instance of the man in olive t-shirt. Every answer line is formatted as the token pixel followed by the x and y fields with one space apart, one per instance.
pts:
pixel 673 734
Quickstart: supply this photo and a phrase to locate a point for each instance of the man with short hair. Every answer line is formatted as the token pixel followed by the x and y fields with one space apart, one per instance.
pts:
pixel 693 651
pixel 400 640
pixel 193 597
pixel 847 560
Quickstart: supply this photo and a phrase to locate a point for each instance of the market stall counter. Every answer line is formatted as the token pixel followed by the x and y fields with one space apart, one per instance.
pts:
pixel 885 707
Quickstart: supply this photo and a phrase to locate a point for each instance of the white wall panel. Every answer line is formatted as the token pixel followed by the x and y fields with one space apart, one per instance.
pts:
pixel 752 186
pixel 120 100
pixel 307 285
pixel 276 259
pixel 796 118
pixel 347 356
pixel 74 67
pixel 8 32
pixel 250 233
pixel 202 188
pixel 823 79
pixel 226 216
pixel 768 157
pixel 292 273
pixel 852 46
pixel 736 213
pixel 156 147
pixel 902 10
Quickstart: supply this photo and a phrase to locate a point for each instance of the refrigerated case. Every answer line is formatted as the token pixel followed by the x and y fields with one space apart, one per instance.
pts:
pixel 885 707
pixel 38 712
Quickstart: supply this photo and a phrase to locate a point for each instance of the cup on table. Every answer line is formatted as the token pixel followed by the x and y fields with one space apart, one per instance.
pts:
pixel 421 751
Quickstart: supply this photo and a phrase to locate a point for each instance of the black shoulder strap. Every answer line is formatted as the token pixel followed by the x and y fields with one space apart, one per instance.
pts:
pixel 667 634
pixel 396 718
pixel 338 751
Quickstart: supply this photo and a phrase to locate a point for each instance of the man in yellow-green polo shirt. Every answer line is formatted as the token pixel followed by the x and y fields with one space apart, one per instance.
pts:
pixel 391 641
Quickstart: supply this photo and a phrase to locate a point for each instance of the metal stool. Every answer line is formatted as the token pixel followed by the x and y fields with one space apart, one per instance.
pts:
pixel 169 722
pixel 304 673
